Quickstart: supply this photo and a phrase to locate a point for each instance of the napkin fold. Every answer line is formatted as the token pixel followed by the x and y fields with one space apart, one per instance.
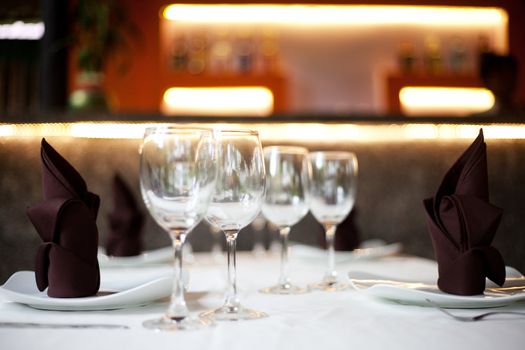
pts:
pixel 462 224
pixel 66 261
pixel 125 222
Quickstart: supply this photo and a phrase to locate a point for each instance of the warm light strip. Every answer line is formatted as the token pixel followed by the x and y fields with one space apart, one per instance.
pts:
pixel 108 130
pixel 8 130
pixel 47 129
pixel 440 100
pixel 225 101
pixel 336 14
pixel 290 133
pixel 22 31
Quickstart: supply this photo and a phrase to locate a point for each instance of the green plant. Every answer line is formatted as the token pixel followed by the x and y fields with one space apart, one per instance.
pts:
pixel 102 30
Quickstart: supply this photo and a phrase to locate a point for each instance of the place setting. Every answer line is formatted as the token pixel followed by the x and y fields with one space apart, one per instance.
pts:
pixel 427 293
pixel 68 274
pixel 462 224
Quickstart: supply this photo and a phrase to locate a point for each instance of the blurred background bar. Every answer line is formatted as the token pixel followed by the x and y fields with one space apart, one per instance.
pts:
pixel 102 59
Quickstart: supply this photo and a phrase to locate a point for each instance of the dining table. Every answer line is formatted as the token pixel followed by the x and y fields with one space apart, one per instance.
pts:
pixel 318 320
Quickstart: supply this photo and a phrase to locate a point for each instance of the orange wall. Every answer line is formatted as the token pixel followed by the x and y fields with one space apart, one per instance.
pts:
pixel 138 90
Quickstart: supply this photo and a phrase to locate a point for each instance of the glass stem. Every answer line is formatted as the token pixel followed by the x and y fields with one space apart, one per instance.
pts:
pixel 283 278
pixel 177 310
pixel 331 273
pixel 231 300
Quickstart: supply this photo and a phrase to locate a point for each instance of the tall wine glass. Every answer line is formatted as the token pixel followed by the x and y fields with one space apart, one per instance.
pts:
pixel 286 202
pixel 177 177
pixel 237 201
pixel 332 188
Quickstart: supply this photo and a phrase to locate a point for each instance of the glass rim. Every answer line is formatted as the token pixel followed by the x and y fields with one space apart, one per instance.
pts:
pixel 176 129
pixel 333 154
pixel 237 131
pixel 287 149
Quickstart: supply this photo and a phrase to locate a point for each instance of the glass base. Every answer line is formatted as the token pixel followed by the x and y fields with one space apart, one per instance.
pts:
pixel 284 289
pixel 233 313
pixel 170 325
pixel 330 286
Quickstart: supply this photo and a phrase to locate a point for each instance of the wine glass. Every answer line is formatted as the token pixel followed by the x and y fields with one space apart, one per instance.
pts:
pixel 332 190
pixel 177 177
pixel 286 202
pixel 237 201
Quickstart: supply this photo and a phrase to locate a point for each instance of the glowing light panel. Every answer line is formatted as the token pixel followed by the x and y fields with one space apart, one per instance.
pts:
pixel 440 100
pixel 335 14
pixel 289 133
pixel 22 31
pixel 224 101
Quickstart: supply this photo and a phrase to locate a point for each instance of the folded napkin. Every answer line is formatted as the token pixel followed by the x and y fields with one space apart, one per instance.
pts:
pixel 125 222
pixel 66 262
pixel 462 224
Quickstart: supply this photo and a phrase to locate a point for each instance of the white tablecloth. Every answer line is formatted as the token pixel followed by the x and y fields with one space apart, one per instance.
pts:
pixel 318 320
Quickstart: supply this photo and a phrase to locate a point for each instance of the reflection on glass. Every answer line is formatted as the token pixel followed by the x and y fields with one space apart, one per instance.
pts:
pixel 235 204
pixel 177 178
pixel 286 202
pixel 332 188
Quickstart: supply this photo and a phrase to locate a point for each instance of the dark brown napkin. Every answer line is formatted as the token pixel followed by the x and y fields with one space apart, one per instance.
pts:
pixel 462 224
pixel 125 222
pixel 66 262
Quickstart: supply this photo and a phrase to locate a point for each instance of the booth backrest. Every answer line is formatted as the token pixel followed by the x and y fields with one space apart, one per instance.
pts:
pixel 394 178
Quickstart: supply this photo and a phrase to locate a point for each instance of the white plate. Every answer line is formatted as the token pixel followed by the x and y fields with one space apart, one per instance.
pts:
pixel 305 252
pixel 157 256
pixel 417 293
pixel 21 288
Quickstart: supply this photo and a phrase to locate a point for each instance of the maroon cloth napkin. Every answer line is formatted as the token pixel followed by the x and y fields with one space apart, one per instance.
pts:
pixel 66 262
pixel 462 224
pixel 125 222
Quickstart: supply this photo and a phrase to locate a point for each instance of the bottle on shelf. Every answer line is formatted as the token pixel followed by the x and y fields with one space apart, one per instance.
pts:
pixel 198 46
pixel 432 55
pixel 243 53
pixel 407 58
pixel 457 56
pixel 267 52
pixel 220 52
pixel 179 54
